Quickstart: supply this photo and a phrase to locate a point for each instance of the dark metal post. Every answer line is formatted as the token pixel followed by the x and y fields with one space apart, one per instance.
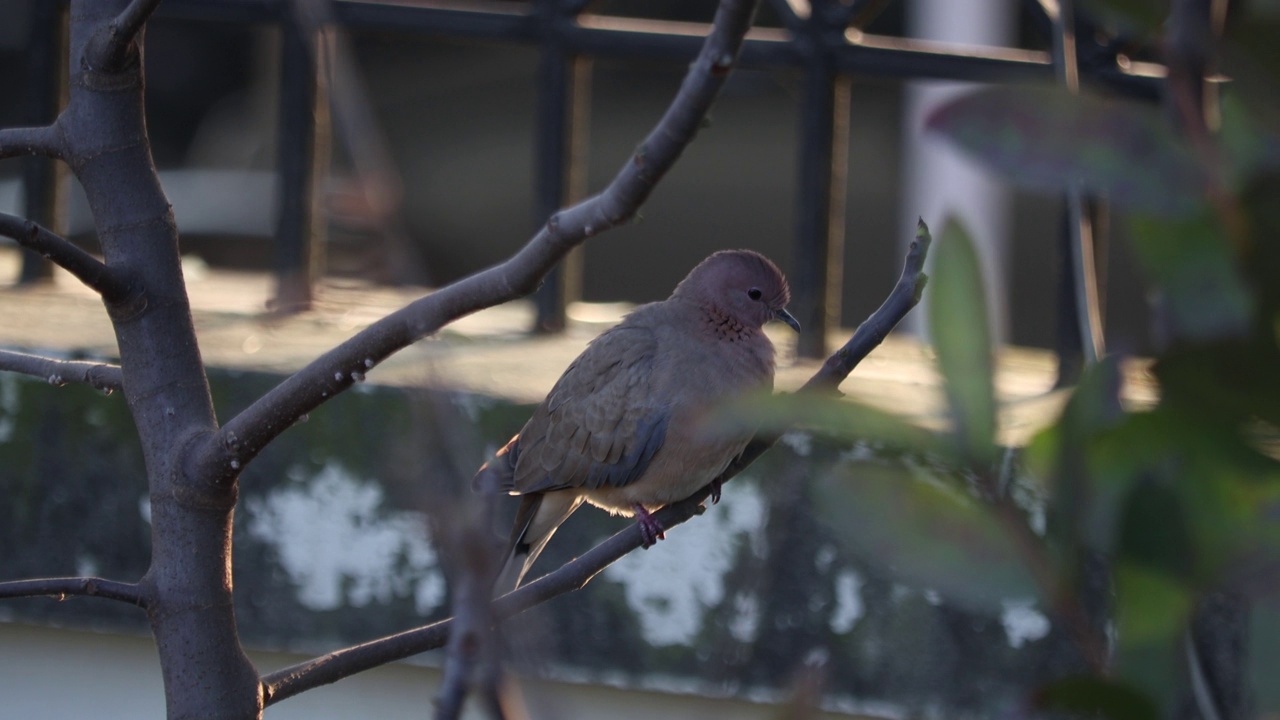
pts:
pixel 46 57
pixel 1086 303
pixel 297 231
pixel 564 82
pixel 824 130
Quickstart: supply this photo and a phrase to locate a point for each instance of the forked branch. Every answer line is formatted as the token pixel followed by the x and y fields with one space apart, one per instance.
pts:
pixel 112 46
pixel 577 573
pixel 244 436
pixel 61 587
pixel 89 270
pixel 102 376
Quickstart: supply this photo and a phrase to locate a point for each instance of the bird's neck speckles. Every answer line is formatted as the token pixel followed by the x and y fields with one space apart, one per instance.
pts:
pixel 723 326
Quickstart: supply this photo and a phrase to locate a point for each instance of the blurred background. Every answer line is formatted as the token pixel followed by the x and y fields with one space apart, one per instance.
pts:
pixel 452 135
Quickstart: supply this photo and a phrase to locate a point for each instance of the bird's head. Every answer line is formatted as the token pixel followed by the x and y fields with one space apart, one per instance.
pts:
pixel 743 284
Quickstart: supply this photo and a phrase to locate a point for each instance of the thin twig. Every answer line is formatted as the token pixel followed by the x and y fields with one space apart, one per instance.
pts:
pixel 89 270
pixel 471 645
pixel 220 458
pixel 102 376
pixel 460 523
pixel 60 587
pixel 575 574
pixel 132 18
pixel 43 140
pixel 109 48
pixel 904 296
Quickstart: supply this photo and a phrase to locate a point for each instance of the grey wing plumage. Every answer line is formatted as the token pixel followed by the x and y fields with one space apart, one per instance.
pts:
pixel 600 425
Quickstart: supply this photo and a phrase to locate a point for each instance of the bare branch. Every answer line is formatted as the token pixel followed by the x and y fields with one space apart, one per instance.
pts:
pixel 87 586
pixel 575 574
pixel 44 140
pixel 88 269
pixel 240 440
pixel 287 682
pixel 904 296
pixel 471 644
pixel 111 47
pixel 102 376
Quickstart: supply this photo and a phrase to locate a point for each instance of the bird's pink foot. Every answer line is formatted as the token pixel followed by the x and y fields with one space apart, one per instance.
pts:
pixel 651 530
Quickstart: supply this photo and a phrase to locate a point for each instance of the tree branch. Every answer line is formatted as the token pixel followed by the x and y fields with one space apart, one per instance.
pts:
pixel 471 645
pixel 102 376
pixel 44 140
pixel 904 296
pixel 112 47
pixel 220 458
pixel 86 586
pixel 575 574
pixel 88 269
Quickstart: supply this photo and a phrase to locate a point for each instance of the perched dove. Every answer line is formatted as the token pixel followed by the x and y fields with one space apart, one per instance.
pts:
pixel 622 428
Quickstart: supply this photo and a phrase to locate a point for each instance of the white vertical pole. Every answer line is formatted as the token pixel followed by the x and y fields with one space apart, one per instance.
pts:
pixel 938 181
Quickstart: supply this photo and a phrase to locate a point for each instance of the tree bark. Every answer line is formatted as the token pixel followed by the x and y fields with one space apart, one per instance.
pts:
pixel 188 585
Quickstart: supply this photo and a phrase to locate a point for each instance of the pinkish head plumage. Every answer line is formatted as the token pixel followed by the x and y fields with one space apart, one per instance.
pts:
pixel 743 284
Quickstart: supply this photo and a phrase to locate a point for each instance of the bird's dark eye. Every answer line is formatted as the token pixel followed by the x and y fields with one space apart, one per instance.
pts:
pixel 754 293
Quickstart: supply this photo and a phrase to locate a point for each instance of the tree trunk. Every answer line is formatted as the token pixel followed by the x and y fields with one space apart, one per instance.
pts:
pixel 206 673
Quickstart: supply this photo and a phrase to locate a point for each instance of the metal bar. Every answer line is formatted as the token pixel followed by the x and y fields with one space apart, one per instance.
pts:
pixel 619 37
pixel 1087 306
pixel 562 88
pixel 295 225
pixel 42 189
pixel 490 20
pixel 823 167
pixel 237 11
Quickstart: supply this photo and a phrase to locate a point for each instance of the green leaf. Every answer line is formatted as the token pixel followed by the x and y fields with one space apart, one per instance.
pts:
pixel 1085 495
pixel 1152 612
pixel 1154 532
pixel 1247 146
pixel 834 417
pixel 1152 607
pixel 924 527
pixel 958 326
pixel 1049 139
pixel 1193 265
pixel 1093 697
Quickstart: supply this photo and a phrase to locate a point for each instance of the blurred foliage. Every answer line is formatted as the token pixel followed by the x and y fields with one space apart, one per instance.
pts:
pixel 1122 523
pixel 964 347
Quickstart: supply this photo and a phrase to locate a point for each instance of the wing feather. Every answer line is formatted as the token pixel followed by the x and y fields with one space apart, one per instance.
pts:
pixel 599 425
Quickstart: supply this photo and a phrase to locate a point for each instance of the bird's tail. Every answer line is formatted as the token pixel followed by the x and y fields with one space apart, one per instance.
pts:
pixel 536 521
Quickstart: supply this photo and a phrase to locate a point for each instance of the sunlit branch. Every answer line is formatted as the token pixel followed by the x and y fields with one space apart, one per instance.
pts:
pixel 244 436
pixel 84 586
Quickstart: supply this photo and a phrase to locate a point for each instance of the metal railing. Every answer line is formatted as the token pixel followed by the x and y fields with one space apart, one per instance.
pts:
pixel 824 40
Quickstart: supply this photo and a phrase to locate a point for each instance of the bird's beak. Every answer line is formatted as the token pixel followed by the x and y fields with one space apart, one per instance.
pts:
pixel 788 318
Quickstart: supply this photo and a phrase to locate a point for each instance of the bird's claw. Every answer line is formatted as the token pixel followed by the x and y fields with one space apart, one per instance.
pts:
pixel 715 491
pixel 651 530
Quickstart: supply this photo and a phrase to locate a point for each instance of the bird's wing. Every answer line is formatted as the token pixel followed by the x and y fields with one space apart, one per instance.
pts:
pixel 601 424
